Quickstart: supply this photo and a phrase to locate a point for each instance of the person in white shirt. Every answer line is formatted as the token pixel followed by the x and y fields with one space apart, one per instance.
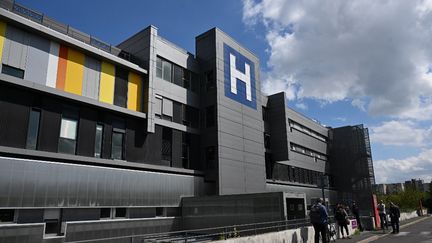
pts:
pixel 382 215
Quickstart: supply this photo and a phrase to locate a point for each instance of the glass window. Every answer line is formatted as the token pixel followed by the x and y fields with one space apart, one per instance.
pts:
pixel 166 144
pixel 159 67
pixel 178 75
pixel 195 82
pixel 210 116
pixel 68 133
pixel 12 71
pixel 166 71
pixel 33 129
pixel 120 212
pixel 117 145
pixel 98 141
pixel 186 79
pixel 105 213
pixel 7 215
pixel 210 83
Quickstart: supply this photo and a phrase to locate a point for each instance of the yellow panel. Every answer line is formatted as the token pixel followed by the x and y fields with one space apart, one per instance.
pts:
pixel 106 87
pixel 74 72
pixel 134 92
pixel 2 37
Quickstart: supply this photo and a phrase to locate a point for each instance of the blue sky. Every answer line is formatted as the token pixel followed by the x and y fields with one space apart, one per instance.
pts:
pixel 340 62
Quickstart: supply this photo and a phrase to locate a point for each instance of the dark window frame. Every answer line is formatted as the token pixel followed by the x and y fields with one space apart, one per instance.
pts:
pixel 34 146
pixel 13 71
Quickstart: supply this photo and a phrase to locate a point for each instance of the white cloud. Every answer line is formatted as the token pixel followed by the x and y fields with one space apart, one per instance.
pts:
pixel 360 49
pixel 400 170
pixel 401 133
pixel 301 106
pixel 360 104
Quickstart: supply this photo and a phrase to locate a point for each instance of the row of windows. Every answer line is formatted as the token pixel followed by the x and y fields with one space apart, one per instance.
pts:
pixel 173 73
pixel 167 109
pixel 68 135
pixel 308 152
pixel 283 172
pixel 308 131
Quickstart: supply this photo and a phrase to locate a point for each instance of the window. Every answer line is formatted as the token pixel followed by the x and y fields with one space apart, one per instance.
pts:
pixel 210 157
pixel 210 82
pixel 163 69
pixel 166 71
pixel 105 213
pixel 166 144
pixel 33 129
pixel 185 150
pixel 159 67
pixel 117 145
pixel 267 140
pixel 190 116
pixel 195 83
pixel 7 215
pixel 187 79
pixel 98 141
pixel 12 71
pixel 210 116
pixel 68 134
pixel 178 75
pixel 120 212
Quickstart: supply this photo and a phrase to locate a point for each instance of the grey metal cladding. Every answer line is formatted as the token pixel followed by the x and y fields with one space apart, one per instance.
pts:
pixel 240 128
pixel 300 118
pixel 15 48
pixel 76 231
pixel 91 78
pixel 30 183
pixel 37 59
pixel 307 141
pixel 22 233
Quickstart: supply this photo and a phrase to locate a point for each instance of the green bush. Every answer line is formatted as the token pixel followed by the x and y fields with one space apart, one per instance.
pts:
pixel 407 200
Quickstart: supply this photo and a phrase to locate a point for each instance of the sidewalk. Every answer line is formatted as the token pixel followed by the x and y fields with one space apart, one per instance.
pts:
pixel 365 235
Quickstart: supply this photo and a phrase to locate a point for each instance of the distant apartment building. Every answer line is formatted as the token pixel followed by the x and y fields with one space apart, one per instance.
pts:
pixel 415 184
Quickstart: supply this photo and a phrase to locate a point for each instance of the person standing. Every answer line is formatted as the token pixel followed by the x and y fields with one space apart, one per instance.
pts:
pixel 341 217
pixel 356 211
pixel 382 215
pixel 319 219
pixel 394 217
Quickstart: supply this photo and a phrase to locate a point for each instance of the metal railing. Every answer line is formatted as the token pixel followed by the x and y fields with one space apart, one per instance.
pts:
pixel 40 18
pixel 210 234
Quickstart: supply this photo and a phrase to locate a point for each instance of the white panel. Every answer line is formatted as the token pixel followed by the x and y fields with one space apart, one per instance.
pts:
pixel 167 108
pixel 68 128
pixel 52 65
pixel 158 106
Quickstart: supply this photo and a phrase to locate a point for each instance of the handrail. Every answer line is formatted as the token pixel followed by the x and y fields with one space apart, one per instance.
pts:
pixel 40 18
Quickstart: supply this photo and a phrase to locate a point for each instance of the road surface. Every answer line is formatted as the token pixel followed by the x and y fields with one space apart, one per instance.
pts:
pixel 420 232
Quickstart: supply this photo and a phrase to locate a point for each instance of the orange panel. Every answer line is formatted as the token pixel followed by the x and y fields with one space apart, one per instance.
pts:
pixel 61 69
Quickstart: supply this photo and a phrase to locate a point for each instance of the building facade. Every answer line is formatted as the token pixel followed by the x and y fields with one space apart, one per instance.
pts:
pixel 95 137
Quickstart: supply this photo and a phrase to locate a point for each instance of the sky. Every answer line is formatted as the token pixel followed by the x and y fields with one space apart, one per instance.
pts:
pixel 340 62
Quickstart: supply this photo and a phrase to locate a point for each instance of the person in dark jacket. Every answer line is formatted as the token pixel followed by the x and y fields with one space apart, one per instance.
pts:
pixel 394 217
pixel 356 211
pixel 319 220
pixel 341 217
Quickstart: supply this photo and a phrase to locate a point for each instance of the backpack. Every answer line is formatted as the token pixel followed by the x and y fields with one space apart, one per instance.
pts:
pixel 315 214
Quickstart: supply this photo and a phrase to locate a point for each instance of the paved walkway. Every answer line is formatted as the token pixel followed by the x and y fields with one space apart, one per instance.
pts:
pixel 369 236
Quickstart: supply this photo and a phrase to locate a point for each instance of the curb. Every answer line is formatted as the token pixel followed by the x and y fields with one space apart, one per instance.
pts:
pixel 376 237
